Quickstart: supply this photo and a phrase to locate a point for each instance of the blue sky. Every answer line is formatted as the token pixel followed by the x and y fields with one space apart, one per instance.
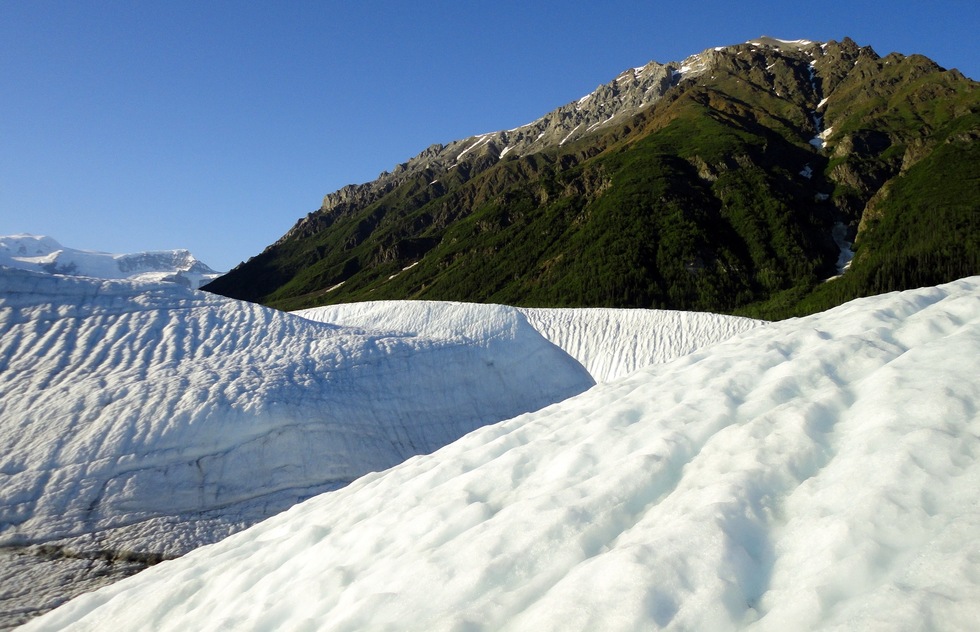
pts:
pixel 214 126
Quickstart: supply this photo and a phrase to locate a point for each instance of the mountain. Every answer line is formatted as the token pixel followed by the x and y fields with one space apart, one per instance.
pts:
pixel 140 420
pixel 736 180
pixel 813 474
pixel 44 254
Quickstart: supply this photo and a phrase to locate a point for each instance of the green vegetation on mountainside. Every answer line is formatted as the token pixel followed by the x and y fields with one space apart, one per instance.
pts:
pixel 712 199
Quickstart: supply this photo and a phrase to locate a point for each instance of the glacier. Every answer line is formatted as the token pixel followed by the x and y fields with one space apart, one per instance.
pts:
pixel 819 473
pixel 125 401
pixel 610 343
pixel 140 420
pixel 144 419
pixel 44 254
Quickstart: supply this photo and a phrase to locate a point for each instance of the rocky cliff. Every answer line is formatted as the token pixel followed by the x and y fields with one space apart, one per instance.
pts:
pixel 732 180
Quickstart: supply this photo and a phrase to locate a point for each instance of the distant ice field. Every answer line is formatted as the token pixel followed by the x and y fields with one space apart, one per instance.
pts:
pixel 40 253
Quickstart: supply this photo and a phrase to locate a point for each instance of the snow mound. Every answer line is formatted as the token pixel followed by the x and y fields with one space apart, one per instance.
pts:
pixel 610 343
pixel 819 473
pixel 125 404
pixel 44 254
pixel 443 320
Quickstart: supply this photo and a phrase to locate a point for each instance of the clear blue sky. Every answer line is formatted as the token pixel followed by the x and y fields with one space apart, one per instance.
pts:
pixel 214 126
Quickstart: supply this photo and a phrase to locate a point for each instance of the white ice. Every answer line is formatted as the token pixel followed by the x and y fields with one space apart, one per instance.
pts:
pixel 125 405
pixel 480 140
pixel 609 343
pixel 814 474
pixel 820 140
pixel 566 139
pixel 612 343
pixel 44 254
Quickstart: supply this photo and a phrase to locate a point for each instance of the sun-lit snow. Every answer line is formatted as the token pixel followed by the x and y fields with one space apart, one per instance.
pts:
pixel 480 140
pixel 599 123
pixel 813 474
pixel 778 43
pixel 565 140
pixel 609 343
pixel 612 343
pixel 123 402
pixel 44 254
pixel 160 418
pixel 820 140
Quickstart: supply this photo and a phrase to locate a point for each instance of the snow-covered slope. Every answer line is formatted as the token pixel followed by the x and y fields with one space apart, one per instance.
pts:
pixel 161 418
pixel 44 254
pixel 610 343
pixel 819 473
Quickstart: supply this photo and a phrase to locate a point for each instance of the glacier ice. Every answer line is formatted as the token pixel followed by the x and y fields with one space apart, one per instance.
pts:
pixel 147 418
pixel 819 473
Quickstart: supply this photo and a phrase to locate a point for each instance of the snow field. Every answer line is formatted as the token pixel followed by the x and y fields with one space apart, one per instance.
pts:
pixel 612 343
pixel 609 343
pixel 43 254
pixel 127 403
pixel 818 474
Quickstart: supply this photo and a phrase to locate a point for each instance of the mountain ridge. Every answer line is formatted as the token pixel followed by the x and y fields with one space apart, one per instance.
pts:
pixel 732 169
pixel 41 253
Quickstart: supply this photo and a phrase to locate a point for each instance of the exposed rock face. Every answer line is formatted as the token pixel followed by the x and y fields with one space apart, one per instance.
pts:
pixel 738 161
pixel 632 90
pixel 609 104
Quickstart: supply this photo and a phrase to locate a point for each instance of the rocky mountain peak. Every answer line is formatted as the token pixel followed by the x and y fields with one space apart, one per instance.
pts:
pixel 714 182
pixel 630 91
pixel 633 89
pixel 789 66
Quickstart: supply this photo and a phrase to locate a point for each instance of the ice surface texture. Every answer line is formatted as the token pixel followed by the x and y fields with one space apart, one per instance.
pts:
pixel 819 473
pixel 610 343
pixel 126 402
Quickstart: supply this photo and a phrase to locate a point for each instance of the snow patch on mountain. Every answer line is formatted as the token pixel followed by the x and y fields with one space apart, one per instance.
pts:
pixel 44 254
pixel 839 234
pixel 820 473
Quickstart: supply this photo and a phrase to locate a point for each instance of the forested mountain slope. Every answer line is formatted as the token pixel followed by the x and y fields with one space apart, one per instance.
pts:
pixel 731 181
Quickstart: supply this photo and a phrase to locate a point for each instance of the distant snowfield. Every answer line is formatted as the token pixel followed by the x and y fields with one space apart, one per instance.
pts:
pixel 818 473
pixel 43 254
pixel 609 343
